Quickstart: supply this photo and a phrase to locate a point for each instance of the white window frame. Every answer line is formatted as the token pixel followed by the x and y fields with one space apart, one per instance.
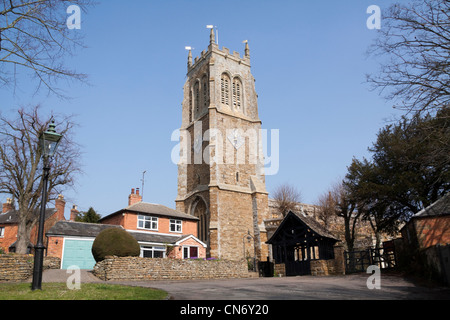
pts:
pixel 176 224
pixel 153 248
pixel 152 220
pixel 2 232
pixel 189 251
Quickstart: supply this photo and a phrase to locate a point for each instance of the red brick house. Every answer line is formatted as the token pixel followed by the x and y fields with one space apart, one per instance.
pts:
pixel 161 232
pixel 9 224
pixel 429 227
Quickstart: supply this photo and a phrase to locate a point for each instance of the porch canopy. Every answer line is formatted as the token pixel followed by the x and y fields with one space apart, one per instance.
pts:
pixel 300 239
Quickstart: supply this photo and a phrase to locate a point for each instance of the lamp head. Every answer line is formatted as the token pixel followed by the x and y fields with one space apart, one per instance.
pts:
pixel 49 140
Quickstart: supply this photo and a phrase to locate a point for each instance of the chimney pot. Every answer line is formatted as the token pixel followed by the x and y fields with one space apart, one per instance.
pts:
pixel 134 198
pixel 60 204
pixel 8 206
pixel 74 213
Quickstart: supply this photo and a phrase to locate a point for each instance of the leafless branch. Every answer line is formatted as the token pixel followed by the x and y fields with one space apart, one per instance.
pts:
pixel 35 38
pixel 414 42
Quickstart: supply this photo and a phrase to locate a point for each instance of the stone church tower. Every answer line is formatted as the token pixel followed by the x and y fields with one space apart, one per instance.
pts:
pixel 220 173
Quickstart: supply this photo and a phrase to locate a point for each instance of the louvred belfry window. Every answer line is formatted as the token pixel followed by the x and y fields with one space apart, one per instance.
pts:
pixel 237 89
pixel 225 89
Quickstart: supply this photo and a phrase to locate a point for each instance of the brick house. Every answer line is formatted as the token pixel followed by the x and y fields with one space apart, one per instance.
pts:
pixel 429 227
pixel 160 231
pixel 9 223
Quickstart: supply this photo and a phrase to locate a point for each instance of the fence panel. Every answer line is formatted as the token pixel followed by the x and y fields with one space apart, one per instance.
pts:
pixel 359 261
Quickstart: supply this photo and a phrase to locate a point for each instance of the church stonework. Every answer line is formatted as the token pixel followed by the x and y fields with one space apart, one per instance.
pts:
pixel 221 169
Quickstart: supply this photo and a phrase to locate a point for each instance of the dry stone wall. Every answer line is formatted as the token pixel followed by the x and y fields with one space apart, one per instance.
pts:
pixel 140 269
pixel 16 267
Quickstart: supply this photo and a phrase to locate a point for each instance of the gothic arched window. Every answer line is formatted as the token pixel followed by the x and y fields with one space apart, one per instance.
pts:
pixel 237 94
pixel 225 89
pixel 200 211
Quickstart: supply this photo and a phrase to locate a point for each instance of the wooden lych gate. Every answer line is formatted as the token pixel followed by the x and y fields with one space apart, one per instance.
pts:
pixel 298 240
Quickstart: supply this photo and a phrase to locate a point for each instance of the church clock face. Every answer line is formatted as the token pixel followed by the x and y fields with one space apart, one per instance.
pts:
pixel 236 139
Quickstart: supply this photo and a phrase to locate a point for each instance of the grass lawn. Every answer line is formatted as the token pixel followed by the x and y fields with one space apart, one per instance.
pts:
pixel 88 291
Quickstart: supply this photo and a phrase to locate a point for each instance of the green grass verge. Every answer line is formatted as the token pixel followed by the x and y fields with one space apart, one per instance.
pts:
pixel 88 291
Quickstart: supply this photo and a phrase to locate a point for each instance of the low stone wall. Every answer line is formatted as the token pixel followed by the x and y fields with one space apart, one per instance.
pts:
pixel 334 266
pixel 138 269
pixel 322 267
pixel 279 270
pixel 16 267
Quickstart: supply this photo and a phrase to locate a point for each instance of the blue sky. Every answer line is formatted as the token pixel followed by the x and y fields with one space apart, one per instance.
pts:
pixel 308 59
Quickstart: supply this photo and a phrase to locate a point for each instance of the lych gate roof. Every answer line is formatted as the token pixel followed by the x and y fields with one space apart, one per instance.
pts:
pixel 314 225
pixel 302 220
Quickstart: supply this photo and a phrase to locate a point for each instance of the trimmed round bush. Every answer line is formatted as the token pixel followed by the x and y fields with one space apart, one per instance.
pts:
pixel 115 242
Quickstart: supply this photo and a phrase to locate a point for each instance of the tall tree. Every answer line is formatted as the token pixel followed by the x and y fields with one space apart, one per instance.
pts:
pixel 413 156
pixel 35 37
pixel 405 174
pixel 21 167
pixel 369 188
pixel 414 43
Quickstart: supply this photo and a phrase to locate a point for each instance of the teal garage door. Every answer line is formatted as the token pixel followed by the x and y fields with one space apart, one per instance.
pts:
pixel 78 253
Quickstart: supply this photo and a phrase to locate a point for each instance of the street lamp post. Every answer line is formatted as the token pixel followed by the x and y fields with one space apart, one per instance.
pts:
pixel 48 141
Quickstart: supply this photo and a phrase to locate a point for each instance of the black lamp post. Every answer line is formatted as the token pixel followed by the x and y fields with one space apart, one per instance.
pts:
pixel 48 141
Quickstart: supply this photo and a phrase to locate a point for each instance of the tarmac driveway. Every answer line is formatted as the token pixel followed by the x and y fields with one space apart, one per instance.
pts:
pixel 348 287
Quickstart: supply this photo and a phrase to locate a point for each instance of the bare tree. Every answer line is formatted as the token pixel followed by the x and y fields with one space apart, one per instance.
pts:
pixel 414 41
pixel 34 36
pixel 327 207
pixel 21 169
pixel 338 201
pixel 286 198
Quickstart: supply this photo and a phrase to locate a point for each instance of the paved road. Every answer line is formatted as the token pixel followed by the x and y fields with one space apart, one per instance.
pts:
pixel 349 287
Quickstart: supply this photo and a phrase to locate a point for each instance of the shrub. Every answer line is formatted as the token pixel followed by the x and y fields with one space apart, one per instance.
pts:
pixel 115 242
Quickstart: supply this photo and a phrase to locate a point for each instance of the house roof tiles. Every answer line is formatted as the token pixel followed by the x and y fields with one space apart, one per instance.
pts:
pixel 78 229
pixel 154 209
pixel 91 230
pixel 440 207
pixel 12 216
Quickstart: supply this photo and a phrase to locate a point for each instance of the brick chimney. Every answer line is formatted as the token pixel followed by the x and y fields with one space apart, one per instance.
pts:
pixel 8 206
pixel 74 213
pixel 134 198
pixel 60 205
